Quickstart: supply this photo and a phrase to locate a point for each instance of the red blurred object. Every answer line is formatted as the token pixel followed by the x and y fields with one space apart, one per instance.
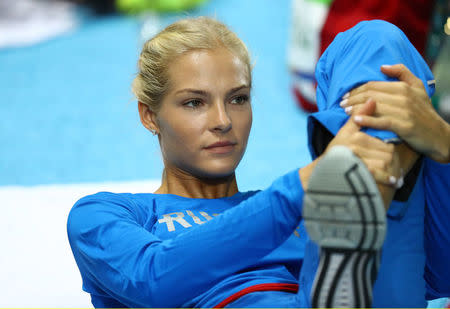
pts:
pixel 412 17
pixel 303 103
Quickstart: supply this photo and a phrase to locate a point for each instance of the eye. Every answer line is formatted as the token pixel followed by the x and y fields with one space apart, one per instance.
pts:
pixel 240 100
pixel 195 103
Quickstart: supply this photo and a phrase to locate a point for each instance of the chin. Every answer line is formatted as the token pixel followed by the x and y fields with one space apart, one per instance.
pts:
pixel 216 172
pixel 213 169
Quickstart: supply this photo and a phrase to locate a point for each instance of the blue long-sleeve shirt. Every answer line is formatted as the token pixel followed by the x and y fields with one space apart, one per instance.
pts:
pixel 162 250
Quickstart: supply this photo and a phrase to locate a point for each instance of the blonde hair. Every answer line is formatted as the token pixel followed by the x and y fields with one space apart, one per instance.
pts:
pixel 152 80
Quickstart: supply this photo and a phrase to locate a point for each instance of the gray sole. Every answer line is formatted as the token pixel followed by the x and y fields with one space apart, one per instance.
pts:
pixel 342 207
pixel 345 216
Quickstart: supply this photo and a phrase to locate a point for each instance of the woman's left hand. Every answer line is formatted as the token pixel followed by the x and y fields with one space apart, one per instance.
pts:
pixel 404 108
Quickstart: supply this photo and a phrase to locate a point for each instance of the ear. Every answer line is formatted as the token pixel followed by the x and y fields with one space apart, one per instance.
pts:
pixel 148 117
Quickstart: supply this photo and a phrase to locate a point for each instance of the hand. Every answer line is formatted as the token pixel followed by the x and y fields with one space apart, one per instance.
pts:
pixel 380 158
pixel 404 108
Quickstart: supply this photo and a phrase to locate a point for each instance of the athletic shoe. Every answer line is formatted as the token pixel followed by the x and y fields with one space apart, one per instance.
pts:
pixel 345 216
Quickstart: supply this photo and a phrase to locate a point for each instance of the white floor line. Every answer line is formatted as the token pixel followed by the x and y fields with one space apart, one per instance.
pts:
pixel 37 268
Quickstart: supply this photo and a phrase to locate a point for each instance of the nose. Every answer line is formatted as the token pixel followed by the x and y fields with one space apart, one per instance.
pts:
pixel 220 120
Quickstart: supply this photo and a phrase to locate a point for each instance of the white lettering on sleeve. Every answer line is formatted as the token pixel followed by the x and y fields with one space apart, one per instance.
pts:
pixel 205 215
pixel 168 219
pixel 196 219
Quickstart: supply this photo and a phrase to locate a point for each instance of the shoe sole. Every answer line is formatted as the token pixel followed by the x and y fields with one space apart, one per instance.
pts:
pixel 345 216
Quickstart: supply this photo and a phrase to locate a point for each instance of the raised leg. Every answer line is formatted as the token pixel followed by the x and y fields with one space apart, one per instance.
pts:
pixel 345 216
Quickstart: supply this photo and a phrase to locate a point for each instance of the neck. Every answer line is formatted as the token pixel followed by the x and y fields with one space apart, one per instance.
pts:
pixel 183 184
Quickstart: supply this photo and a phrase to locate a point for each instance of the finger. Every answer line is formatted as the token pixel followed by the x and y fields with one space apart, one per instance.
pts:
pixel 374 122
pixel 368 108
pixel 377 86
pixel 350 126
pixel 384 158
pixel 385 170
pixel 364 140
pixel 401 72
pixel 402 127
pixel 372 91
pixel 386 105
pixel 383 91
pixel 379 174
pixel 373 164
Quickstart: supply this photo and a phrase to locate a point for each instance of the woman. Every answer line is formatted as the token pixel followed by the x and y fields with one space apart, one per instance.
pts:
pixel 197 241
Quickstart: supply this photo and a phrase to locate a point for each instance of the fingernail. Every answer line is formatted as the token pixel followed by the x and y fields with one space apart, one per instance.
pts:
pixel 348 110
pixel 357 119
pixel 346 95
pixel 343 103
pixel 392 180
pixel 386 66
pixel 399 183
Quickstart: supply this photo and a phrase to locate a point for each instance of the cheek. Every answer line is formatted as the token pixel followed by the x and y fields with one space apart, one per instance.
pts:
pixel 243 123
pixel 180 136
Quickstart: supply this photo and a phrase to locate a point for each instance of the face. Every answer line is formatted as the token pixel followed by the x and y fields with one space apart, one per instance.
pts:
pixel 206 116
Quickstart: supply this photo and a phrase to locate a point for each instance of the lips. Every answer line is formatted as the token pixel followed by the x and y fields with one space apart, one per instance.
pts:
pixel 221 147
pixel 220 144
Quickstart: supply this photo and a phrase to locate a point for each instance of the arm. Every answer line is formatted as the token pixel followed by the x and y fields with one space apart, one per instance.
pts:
pixel 132 265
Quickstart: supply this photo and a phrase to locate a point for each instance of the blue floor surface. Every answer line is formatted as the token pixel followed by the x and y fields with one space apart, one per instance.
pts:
pixel 68 115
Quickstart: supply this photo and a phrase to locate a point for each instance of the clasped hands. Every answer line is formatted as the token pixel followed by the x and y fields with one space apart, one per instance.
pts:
pixel 402 107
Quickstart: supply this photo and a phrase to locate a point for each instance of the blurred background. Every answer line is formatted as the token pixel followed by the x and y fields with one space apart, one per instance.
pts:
pixel 69 124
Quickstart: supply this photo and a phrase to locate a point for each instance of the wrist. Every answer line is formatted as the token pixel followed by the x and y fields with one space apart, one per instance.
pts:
pixel 387 194
pixel 305 172
pixel 407 157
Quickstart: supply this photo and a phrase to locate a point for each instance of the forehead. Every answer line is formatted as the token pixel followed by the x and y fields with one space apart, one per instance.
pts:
pixel 217 68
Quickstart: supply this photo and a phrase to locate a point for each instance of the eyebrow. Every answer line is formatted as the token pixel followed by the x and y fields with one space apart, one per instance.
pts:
pixel 204 93
pixel 236 89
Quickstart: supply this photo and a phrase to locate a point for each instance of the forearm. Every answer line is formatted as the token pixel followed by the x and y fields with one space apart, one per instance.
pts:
pixel 441 151
pixel 305 172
